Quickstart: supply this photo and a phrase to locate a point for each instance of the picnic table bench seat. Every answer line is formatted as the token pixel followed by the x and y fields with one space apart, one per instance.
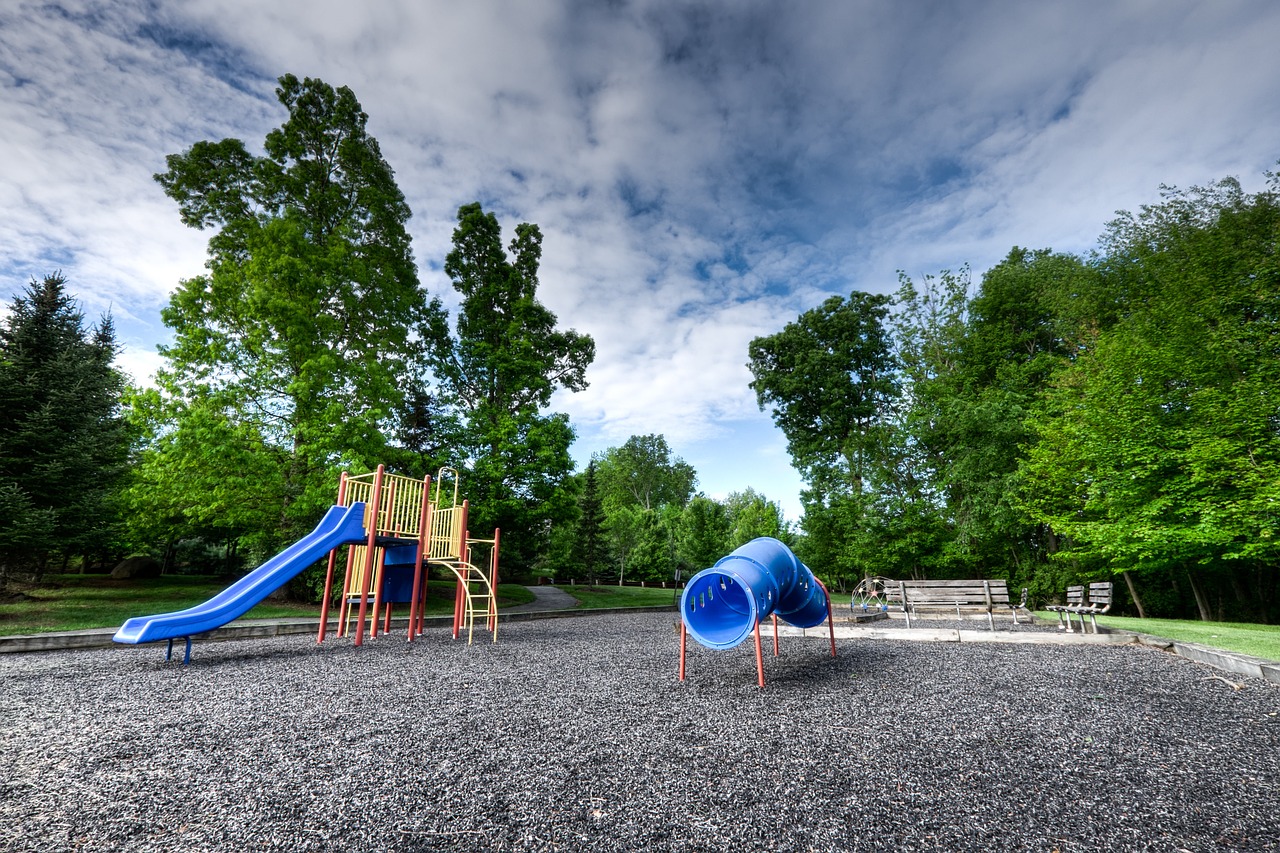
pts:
pixel 964 596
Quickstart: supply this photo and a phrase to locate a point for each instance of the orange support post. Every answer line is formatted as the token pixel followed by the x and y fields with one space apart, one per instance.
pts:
pixel 493 570
pixel 759 657
pixel 370 546
pixel 459 599
pixel 416 608
pixel 333 559
pixel 682 645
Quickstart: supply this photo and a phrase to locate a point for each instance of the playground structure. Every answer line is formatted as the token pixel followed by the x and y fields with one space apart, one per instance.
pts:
pixel 762 579
pixel 395 531
pixel 411 532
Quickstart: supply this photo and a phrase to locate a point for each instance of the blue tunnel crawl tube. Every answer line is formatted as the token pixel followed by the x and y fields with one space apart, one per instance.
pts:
pixel 720 605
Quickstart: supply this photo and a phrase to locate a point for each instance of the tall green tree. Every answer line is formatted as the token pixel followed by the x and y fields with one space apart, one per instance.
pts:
pixel 1159 449
pixel 498 374
pixel 63 443
pixel 652 555
pixel 703 534
pixel 644 473
pixel 830 378
pixel 298 345
pixel 751 515
pixel 591 546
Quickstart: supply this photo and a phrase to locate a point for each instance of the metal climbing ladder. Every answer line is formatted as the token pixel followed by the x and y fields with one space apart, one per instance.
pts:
pixel 450 546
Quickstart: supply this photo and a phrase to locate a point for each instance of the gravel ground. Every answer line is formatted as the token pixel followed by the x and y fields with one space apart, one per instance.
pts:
pixel 574 734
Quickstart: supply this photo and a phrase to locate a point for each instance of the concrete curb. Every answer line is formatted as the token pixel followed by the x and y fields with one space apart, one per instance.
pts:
pixel 98 638
pixel 1241 664
pixel 1233 662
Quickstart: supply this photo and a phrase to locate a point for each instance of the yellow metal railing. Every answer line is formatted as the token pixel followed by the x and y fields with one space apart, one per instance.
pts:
pixel 399 504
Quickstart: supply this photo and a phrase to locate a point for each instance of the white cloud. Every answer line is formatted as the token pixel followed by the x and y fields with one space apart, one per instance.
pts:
pixel 702 173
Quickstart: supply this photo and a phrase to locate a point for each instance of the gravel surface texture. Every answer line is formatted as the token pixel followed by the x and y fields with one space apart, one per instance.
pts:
pixel 574 734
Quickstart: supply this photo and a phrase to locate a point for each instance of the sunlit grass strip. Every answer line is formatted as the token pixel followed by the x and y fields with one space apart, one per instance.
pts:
pixel 1261 641
pixel 80 602
pixel 622 596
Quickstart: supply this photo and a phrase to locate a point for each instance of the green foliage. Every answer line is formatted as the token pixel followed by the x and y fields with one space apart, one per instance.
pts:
pixel 1159 449
pixel 590 542
pixel 643 473
pixel 292 355
pixel 831 380
pixel 702 536
pixel 498 375
pixel 63 443
pixel 652 556
pixel 1072 419
pixel 750 515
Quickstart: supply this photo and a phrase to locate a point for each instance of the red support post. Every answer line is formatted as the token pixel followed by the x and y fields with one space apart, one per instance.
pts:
pixel 831 619
pixel 370 546
pixel 775 635
pixel 333 559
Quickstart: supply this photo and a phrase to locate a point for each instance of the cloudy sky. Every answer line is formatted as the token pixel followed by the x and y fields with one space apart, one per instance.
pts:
pixel 702 171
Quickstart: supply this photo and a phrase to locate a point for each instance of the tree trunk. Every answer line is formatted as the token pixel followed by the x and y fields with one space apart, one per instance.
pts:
pixel 1133 593
pixel 170 552
pixel 1202 603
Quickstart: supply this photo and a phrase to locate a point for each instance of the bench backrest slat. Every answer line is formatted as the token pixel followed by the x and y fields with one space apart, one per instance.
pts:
pixel 950 592
pixel 1075 595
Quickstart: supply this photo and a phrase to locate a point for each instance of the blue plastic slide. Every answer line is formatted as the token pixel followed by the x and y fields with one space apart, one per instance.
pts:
pixel 341 525
pixel 720 605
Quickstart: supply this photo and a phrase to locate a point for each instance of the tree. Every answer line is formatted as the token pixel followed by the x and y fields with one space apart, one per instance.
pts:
pixel 703 534
pixel 751 515
pixel 651 557
pixel 299 343
pixel 642 473
pixel 830 380
pixel 591 544
pixel 63 443
pixel 1159 449
pixel 499 373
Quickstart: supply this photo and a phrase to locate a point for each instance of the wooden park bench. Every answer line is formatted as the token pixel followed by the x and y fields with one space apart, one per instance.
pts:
pixel 1093 603
pixel 965 596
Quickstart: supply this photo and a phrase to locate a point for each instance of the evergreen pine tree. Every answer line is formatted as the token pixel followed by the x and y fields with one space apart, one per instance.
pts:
pixel 590 526
pixel 63 444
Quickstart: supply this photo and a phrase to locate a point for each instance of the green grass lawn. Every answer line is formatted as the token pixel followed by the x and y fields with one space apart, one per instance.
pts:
pixel 622 596
pixel 74 602
pixel 1258 640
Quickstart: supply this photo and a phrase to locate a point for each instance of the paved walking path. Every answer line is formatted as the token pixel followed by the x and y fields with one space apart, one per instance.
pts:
pixel 545 598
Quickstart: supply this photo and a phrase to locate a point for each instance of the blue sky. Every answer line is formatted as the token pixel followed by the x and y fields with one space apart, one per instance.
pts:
pixel 702 172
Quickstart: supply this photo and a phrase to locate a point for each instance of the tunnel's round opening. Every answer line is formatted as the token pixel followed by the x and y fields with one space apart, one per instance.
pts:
pixel 718 610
